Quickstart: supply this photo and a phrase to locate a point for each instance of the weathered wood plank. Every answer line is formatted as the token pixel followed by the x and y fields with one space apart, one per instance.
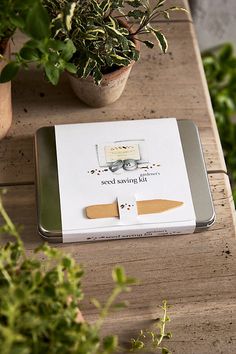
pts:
pixel 170 85
pixel 195 273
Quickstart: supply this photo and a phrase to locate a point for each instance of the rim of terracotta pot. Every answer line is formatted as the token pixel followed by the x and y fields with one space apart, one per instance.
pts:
pixel 5 88
pixel 117 72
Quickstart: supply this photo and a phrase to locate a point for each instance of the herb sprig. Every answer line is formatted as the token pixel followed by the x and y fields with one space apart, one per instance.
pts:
pixel 40 303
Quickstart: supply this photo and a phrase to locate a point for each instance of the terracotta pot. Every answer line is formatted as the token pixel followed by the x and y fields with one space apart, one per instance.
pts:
pixel 110 88
pixel 5 99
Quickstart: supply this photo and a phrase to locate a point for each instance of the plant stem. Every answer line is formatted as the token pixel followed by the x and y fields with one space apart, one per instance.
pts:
pixel 104 312
pixel 164 307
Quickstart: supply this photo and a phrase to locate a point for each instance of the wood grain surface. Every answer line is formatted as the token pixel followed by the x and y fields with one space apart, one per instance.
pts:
pixel 195 273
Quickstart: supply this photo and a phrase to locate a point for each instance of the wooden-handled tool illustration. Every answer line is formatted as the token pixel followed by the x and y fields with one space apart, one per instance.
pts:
pixel 143 207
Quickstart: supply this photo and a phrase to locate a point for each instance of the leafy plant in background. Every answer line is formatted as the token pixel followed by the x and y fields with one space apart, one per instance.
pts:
pixel 92 31
pixel 102 41
pixel 220 69
pixel 40 301
pixel 31 18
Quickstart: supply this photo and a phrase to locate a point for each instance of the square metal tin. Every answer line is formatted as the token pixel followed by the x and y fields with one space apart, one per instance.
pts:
pixel 47 187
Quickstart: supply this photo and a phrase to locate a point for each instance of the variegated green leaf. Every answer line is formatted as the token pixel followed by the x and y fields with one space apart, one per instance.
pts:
pixel 124 44
pixel 68 14
pixel 161 39
pixel 113 31
pixel 90 37
pixel 88 67
pixel 105 5
pixel 97 75
pixel 113 22
pixel 160 3
pixel 97 9
pixel 166 15
pixel 119 60
pixel 96 30
pixel 177 8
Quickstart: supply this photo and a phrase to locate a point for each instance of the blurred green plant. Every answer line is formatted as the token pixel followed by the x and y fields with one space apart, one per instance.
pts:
pixel 40 303
pixel 31 18
pixel 220 69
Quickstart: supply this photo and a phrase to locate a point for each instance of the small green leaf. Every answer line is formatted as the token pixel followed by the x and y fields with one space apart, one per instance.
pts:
pixel 9 72
pixel 67 262
pixel 56 44
pixel 71 68
pixel 131 281
pixel 119 60
pixel 161 39
pixel 68 51
pixel 120 305
pixel 137 344
pixel 37 22
pixel 110 343
pixel 96 303
pixel 28 53
pixel 118 275
pixel 52 73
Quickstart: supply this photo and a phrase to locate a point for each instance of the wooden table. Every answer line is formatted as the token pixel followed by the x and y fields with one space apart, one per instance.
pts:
pixel 195 273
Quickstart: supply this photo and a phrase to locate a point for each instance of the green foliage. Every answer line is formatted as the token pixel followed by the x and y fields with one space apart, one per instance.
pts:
pixel 96 27
pixel 13 14
pixel 220 70
pixel 40 303
pixel 152 340
pixel 32 19
pixel 83 37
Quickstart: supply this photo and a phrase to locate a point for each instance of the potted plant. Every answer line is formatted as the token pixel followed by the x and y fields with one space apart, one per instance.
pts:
pixel 106 35
pixel 40 303
pixel 31 18
pixel 96 41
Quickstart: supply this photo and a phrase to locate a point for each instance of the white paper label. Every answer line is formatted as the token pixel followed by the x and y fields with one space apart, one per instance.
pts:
pixel 91 173
pixel 122 152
